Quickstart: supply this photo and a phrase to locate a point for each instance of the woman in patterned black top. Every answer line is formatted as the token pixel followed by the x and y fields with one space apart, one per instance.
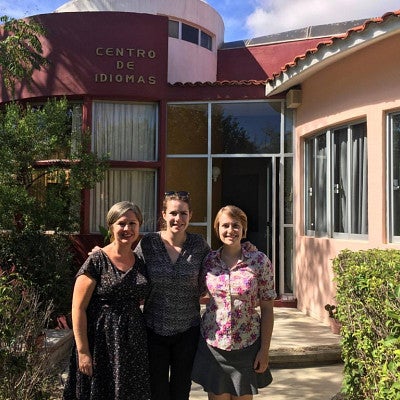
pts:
pixel 109 360
pixel 173 259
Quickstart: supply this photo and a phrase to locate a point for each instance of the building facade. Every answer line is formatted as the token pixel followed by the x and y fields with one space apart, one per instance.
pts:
pixel 300 129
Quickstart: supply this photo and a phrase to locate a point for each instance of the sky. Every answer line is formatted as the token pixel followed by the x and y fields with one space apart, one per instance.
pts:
pixel 246 19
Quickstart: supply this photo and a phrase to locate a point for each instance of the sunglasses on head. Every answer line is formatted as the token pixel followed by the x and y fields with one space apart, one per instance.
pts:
pixel 178 194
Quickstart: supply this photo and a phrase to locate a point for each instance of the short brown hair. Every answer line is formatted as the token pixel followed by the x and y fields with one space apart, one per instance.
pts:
pixel 233 212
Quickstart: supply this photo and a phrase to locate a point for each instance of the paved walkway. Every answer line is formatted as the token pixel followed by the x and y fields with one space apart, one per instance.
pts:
pixel 305 360
pixel 304 357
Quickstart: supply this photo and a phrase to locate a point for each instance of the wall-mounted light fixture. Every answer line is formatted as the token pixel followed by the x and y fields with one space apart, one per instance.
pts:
pixel 216 172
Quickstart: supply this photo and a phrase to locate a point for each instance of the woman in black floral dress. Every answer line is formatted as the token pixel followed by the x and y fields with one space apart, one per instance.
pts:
pixel 109 360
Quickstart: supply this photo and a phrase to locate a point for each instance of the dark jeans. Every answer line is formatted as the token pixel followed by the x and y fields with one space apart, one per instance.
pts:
pixel 171 360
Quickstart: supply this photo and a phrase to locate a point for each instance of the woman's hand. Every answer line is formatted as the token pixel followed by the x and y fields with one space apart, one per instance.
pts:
pixel 94 249
pixel 248 246
pixel 85 364
pixel 261 362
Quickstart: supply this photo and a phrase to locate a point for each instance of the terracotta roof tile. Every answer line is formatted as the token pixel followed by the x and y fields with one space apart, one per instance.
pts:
pixel 220 83
pixel 325 42
pixel 331 41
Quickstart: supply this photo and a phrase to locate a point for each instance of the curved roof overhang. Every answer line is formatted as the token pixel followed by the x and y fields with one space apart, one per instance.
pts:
pixel 314 60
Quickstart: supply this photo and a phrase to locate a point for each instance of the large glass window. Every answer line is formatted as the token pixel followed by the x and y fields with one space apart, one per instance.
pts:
pixel 252 128
pixel 336 182
pixel 127 132
pixel 394 176
pixel 187 128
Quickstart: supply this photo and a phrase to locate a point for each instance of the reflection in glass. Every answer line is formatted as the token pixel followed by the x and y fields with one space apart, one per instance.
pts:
pixel 246 128
pixel 396 175
pixel 187 129
pixel 288 260
pixel 288 131
pixel 189 174
pixel 288 191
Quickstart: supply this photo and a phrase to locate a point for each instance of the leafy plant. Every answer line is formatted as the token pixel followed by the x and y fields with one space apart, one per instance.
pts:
pixel 46 261
pixel 25 373
pixel 368 296
pixel 44 165
pixel 20 50
pixel 106 234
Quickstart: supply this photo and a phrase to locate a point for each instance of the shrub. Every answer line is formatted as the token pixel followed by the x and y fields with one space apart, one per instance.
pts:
pixel 368 297
pixel 24 368
pixel 44 260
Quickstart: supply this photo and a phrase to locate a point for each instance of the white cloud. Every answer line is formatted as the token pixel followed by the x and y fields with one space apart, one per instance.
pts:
pixel 273 16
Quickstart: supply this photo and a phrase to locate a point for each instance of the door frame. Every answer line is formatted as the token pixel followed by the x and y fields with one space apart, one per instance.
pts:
pixel 276 197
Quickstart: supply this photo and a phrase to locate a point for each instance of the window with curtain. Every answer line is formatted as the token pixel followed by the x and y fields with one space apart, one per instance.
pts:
pixel 336 182
pixel 126 132
pixel 394 176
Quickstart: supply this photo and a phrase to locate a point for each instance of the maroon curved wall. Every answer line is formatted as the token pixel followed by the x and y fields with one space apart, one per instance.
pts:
pixel 101 54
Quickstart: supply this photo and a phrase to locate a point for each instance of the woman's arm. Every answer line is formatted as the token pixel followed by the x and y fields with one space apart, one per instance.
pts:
pixel 83 290
pixel 267 326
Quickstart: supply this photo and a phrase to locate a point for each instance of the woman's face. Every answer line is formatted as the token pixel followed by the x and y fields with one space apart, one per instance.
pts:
pixel 230 230
pixel 177 216
pixel 126 228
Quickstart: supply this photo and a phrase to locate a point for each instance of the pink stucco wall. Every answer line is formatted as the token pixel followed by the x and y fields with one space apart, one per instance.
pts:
pixel 364 85
pixel 187 62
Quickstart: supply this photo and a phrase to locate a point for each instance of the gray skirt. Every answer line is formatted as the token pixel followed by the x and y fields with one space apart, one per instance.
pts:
pixel 220 371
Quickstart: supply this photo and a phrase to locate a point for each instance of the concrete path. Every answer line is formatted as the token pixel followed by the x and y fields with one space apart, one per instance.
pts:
pixel 305 360
pixel 304 357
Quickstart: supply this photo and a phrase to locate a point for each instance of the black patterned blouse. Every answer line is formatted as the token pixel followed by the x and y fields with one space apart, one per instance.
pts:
pixel 173 303
pixel 116 333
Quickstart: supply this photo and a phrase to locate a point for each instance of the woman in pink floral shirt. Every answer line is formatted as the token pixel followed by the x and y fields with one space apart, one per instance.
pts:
pixel 232 357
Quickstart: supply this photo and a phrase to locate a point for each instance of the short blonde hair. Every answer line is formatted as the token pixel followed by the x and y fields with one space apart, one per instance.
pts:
pixel 119 209
pixel 233 212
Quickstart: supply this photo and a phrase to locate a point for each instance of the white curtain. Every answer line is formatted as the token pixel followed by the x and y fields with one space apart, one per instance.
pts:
pixel 321 191
pixel 359 212
pixel 137 186
pixel 126 132
pixel 395 179
pixel 341 190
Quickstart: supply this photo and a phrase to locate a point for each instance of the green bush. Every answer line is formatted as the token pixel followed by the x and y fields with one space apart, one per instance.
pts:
pixel 25 373
pixel 368 298
pixel 45 260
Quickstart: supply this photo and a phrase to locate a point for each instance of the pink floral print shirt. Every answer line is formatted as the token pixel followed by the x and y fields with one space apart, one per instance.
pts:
pixel 231 321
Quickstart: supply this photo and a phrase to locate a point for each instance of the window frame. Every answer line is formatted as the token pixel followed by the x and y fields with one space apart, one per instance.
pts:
pixel 204 39
pixel 391 185
pixel 327 194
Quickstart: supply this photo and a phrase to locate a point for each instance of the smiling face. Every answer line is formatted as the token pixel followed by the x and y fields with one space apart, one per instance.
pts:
pixel 125 229
pixel 230 230
pixel 176 216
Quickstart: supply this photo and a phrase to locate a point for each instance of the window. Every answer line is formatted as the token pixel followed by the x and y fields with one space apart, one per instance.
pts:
pixel 205 41
pixel 173 29
pixel 252 127
pixel 180 30
pixel 336 182
pixel 394 177
pixel 128 133
pixel 190 34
